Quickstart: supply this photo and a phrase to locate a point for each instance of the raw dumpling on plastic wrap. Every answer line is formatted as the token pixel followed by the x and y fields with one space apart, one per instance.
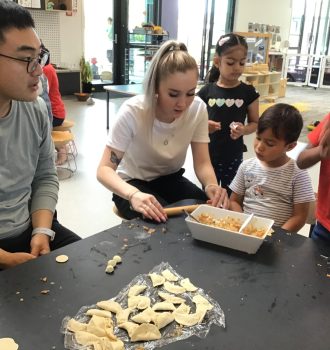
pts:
pixel 136 290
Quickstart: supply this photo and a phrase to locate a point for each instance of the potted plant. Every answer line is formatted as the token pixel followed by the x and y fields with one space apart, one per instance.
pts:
pixel 86 77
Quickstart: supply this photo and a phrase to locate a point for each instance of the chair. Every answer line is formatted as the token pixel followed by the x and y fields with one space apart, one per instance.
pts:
pixel 66 126
pixel 62 140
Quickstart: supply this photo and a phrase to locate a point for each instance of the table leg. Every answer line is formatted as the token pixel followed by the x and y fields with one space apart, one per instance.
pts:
pixel 108 98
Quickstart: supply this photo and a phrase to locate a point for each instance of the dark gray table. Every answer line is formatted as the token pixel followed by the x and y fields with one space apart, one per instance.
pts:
pixel 128 90
pixel 276 299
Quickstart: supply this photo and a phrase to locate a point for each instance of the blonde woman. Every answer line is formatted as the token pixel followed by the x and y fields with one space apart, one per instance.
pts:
pixel 146 149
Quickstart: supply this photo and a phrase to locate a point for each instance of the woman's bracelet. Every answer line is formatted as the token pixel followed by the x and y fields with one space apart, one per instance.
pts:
pixel 210 185
pixel 130 196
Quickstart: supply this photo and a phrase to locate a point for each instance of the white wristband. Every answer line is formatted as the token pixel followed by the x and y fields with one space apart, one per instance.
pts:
pixel 45 231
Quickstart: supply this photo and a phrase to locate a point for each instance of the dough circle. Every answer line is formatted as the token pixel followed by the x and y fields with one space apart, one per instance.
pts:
pixel 62 258
pixel 8 344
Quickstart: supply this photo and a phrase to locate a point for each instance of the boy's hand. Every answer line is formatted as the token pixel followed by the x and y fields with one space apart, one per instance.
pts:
pixel 214 126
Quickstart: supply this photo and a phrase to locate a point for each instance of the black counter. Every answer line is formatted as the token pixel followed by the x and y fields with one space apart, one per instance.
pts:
pixel 278 298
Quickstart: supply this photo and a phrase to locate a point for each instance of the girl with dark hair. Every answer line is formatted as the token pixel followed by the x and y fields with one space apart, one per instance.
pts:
pixel 229 103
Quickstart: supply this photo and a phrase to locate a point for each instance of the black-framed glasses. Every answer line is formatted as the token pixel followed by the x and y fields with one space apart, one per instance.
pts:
pixel 32 63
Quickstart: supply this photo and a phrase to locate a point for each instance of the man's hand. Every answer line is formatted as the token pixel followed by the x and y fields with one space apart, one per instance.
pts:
pixel 40 244
pixel 13 259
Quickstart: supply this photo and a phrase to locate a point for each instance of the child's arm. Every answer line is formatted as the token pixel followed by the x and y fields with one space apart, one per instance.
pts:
pixel 236 202
pixel 309 156
pixel 313 154
pixel 252 117
pixel 298 218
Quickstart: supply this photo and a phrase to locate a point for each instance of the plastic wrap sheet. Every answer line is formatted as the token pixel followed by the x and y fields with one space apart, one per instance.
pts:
pixel 170 333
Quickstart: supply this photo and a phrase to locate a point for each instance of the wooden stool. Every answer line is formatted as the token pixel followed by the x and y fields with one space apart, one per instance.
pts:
pixel 66 126
pixel 62 139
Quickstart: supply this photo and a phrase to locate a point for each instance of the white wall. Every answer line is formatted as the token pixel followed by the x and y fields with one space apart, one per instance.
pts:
pixel 263 11
pixel 72 37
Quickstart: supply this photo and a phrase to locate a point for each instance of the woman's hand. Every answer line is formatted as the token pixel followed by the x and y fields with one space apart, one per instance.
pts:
pixel 218 196
pixel 148 206
pixel 236 130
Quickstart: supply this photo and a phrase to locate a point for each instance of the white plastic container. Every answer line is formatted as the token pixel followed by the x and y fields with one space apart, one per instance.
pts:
pixel 227 238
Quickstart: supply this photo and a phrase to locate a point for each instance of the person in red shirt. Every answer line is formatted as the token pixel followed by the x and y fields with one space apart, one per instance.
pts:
pixel 58 108
pixel 57 105
pixel 318 150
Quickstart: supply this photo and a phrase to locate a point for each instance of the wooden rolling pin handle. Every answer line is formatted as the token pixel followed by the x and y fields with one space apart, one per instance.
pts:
pixel 179 210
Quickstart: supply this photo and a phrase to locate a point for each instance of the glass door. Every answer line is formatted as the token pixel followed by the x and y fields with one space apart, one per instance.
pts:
pixel 98 37
pixel 200 30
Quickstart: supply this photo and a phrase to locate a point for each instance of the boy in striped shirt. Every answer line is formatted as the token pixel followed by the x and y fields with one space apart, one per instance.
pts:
pixel 271 185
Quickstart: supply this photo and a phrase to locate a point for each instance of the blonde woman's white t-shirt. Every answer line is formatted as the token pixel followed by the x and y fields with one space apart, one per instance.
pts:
pixel 148 155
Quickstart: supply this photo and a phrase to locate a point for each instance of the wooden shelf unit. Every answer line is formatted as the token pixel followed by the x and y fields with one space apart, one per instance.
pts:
pixel 265 82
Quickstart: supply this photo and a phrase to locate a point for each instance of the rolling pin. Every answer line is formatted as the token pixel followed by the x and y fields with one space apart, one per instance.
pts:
pixel 179 210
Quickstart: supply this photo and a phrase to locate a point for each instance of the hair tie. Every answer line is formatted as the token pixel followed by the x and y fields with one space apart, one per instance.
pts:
pixel 223 40
pixel 175 48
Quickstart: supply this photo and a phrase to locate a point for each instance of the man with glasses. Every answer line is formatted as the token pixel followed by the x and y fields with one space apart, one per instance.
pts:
pixel 28 179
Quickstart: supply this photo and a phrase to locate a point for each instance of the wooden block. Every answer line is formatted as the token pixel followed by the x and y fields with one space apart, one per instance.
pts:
pixel 270 99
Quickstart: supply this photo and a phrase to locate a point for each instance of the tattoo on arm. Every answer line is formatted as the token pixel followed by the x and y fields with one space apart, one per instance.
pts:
pixel 114 159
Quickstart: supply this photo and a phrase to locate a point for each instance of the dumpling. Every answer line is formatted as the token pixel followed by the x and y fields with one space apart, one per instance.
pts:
pixel 101 326
pixel 129 327
pixel 85 338
pixel 136 290
pixel 187 319
pixel 109 305
pixel 172 288
pixel 145 331
pixel 140 302
pixel 162 319
pixel 145 316
pixel 107 344
pixel 198 299
pixel 187 285
pixel 169 276
pixel 75 326
pixel 157 280
pixel 182 309
pixel 163 306
pixel 122 316
pixel 171 298
pixel 97 312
